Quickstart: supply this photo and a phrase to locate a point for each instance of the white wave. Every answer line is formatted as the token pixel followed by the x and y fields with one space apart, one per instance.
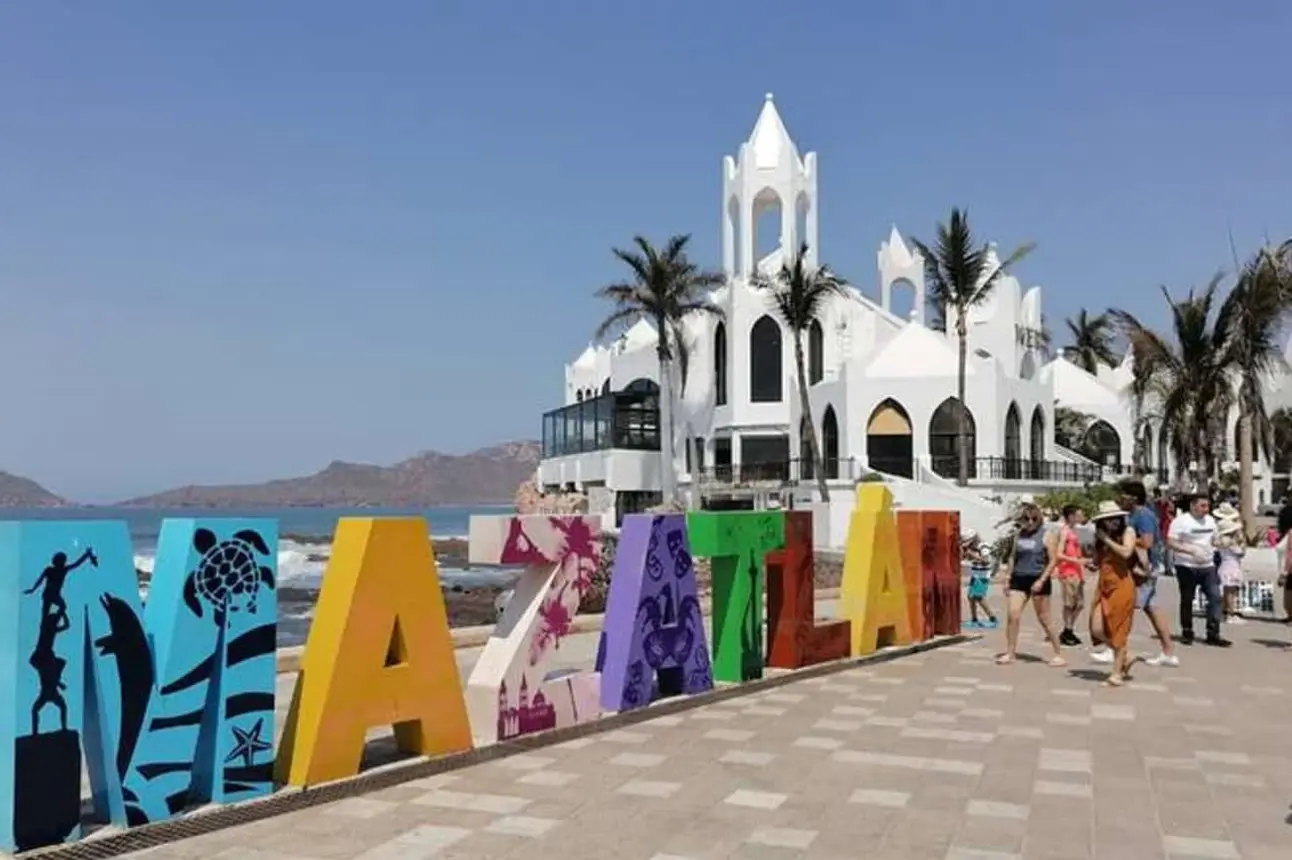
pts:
pixel 303 565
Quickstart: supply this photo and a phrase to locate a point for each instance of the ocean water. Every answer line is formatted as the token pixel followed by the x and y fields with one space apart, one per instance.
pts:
pixel 305 534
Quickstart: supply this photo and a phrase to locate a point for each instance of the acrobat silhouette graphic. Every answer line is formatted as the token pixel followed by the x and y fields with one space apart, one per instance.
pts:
pixel 54 578
pixel 53 621
pixel 47 762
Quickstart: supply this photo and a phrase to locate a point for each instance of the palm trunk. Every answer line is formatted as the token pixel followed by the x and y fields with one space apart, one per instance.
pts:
pixel 1137 445
pixel 814 450
pixel 962 436
pixel 693 500
pixel 668 473
pixel 1246 504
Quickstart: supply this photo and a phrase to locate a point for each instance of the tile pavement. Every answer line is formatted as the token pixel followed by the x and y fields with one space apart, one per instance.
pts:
pixel 941 756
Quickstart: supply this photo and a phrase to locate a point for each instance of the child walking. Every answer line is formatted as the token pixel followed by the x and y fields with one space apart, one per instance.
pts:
pixel 1229 545
pixel 979 582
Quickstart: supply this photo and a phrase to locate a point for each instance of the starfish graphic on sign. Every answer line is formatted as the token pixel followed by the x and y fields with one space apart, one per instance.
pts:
pixel 248 743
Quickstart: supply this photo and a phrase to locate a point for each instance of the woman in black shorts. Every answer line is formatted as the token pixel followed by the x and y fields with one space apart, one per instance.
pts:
pixel 1030 565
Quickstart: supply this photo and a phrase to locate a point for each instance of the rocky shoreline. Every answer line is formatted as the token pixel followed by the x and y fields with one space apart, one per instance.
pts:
pixel 467 606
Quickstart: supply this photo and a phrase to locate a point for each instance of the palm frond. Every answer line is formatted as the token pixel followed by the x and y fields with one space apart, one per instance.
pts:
pixel 798 292
pixel 664 286
pixel 959 274
pixel 1091 340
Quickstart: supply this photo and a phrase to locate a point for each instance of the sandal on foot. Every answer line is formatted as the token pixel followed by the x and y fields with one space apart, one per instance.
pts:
pixel 1114 681
pixel 1004 659
pixel 1057 662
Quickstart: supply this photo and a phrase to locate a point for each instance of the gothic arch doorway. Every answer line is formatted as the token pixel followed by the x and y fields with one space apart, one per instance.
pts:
pixel 720 364
pixel 816 352
pixel 944 439
pixel 830 443
pixel 890 445
pixel 766 378
pixel 1013 443
pixel 1102 444
pixel 1036 443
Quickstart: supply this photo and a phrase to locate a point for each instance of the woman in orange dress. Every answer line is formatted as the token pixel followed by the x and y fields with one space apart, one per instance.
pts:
pixel 1115 556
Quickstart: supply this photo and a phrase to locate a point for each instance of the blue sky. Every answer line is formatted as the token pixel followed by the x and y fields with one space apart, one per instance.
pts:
pixel 241 239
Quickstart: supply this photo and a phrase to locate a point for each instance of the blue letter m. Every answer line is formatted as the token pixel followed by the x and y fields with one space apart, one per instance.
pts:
pixel 172 703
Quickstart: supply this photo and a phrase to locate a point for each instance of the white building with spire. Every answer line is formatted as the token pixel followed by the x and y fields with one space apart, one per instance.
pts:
pixel 882 387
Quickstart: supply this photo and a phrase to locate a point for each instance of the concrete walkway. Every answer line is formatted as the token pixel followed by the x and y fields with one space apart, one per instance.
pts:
pixel 940 756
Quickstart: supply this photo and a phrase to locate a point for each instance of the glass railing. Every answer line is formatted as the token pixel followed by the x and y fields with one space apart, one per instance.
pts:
pixel 621 419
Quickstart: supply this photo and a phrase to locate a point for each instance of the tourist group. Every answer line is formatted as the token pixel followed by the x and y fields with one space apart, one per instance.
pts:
pixel 1136 541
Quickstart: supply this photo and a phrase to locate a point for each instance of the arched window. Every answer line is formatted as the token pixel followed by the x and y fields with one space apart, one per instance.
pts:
pixel 643 385
pixel 720 364
pixel 890 446
pixel 1013 443
pixel 605 387
pixel 578 396
pixel 807 468
pixel 944 439
pixel 765 376
pixel 1102 444
pixel 1036 443
pixel 816 352
pixel 830 443
pixel 1164 449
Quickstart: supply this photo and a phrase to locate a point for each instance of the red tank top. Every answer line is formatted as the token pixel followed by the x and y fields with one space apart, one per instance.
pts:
pixel 1070 545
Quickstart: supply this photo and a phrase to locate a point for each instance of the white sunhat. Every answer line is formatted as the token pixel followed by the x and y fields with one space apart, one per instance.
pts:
pixel 1108 510
pixel 968 535
pixel 1226 511
pixel 1229 525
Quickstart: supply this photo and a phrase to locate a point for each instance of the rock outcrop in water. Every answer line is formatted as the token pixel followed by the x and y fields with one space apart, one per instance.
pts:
pixel 429 479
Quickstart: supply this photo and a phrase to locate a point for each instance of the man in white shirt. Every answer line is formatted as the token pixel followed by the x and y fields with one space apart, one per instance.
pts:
pixel 1191 538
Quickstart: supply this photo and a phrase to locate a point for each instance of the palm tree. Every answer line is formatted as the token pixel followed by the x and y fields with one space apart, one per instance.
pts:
pixel 1251 319
pixel 1091 341
pixel 960 277
pixel 799 293
pixel 1280 440
pixel 1045 339
pixel 1189 371
pixel 664 287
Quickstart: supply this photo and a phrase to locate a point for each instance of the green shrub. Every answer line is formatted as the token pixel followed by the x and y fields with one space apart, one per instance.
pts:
pixel 1087 498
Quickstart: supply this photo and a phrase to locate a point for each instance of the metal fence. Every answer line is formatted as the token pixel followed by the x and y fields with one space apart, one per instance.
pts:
pixel 780 472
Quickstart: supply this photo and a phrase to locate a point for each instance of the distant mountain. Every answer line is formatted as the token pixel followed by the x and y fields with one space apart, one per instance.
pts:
pixel 19 492
pixel 429 479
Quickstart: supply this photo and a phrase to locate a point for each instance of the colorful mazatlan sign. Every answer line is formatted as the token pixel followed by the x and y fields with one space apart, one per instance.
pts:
pixel 170 702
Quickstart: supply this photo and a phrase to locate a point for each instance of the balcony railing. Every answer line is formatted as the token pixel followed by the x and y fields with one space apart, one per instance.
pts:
pixel 620 419
pixel 1041 471
pixel 783 472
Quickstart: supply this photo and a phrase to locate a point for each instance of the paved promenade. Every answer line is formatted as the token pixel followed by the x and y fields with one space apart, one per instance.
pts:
pixel 939 756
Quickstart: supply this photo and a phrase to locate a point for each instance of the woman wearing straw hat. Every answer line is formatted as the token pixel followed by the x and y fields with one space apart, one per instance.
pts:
pixel 1230 549
pixel 1114 610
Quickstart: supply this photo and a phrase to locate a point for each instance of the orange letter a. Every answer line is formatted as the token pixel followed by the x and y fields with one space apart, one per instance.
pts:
pixel 378 653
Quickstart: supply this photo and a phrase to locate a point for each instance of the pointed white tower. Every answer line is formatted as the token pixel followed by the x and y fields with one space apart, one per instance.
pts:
pixel 767 172
pixel 898 263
